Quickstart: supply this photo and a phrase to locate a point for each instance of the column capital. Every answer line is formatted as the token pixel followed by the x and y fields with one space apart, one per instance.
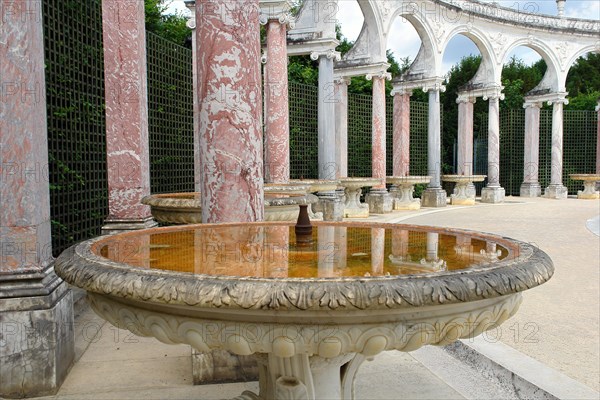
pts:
pixel 191 22
pixel 563 100
pixel 465 97
pixel 598 106
pixel 493 93
pixel 435 87
pixel 276 10
pixel 380 75
pixel 342 80
pixel 532 104
pixel 330 54
pixel 401 91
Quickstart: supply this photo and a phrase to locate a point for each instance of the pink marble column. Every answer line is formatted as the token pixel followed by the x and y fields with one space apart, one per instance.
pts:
pixel 530 186
pixel 36 313
pixel 341 126
pixel 401 134
pixel 465 136
pixel 277 131
pixel 378 130
pixel 125 80
pixel 229 98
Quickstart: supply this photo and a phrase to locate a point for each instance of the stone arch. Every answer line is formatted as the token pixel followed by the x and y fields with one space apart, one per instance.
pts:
pixel 487 73
pixel 370 43
pixel 551 80
pixel 427 55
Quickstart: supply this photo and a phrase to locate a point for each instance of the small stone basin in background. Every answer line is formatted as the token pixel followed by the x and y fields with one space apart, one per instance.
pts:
pixel 589 186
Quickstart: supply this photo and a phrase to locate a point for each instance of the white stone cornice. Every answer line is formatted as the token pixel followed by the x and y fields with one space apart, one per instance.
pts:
pixel 330 54
pixel 435 83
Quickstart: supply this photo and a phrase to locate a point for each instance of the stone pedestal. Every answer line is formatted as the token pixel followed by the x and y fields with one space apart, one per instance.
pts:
pixel 433 197
pixel 492 194
pixel 127 154
pixel 558 192
pixel 331 205
pixel 36 337
pixel 36 311
pixel 220 366
pixel 379 201
pixel 402 197
pixel 530 189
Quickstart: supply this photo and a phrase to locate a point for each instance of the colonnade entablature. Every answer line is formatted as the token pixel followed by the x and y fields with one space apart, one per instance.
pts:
pixel 495 30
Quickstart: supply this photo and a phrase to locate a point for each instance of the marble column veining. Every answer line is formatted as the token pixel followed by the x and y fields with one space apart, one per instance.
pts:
pixel 36 313
pixel 341 126
pixel 277 131
pixel 530 186
pixel 465 137
pixel 229 99
pixel 556 189
pixel 401 135
pixel 326 116
pixel 127 148
pixel 493 192
pixel 378 132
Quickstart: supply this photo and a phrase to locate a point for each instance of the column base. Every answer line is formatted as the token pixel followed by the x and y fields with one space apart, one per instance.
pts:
pixel 433 197
pixel 529 189
pixel 36 337
pixel 116 226
pixel 558 192
pixel 221 366
pixel 331 204
pixel 379 201
pixel 492 194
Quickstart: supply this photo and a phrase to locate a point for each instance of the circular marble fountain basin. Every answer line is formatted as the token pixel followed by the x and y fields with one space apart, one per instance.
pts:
pixel 585 177
pixel 248 289
pixel 175 208
pixel 408 180
pixel 463 178
pixel 318 185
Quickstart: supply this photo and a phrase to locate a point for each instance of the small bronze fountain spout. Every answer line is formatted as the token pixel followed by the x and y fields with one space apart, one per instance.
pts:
pixel 303 228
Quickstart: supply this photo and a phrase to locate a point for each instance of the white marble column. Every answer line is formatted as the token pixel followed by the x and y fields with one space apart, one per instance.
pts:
pixel 465 135
pixel 379 199
pixel 341 126
pixel 434 195
pixel 531 186
pixel 326 114
pixel 191 23
pixel 556 189
pixel 493 192
pixel 36 310
pixel 401 136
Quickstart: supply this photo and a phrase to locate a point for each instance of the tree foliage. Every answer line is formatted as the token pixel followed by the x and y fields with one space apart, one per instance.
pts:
pixel 169 26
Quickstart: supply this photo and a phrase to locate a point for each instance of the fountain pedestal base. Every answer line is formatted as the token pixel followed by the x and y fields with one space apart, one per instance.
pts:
pixel 331 205
pixel 116 226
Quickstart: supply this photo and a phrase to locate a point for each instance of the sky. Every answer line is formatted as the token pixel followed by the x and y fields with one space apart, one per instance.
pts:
pixel 405 42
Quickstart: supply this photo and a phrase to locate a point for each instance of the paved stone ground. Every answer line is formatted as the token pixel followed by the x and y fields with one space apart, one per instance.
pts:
pixel 558 322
